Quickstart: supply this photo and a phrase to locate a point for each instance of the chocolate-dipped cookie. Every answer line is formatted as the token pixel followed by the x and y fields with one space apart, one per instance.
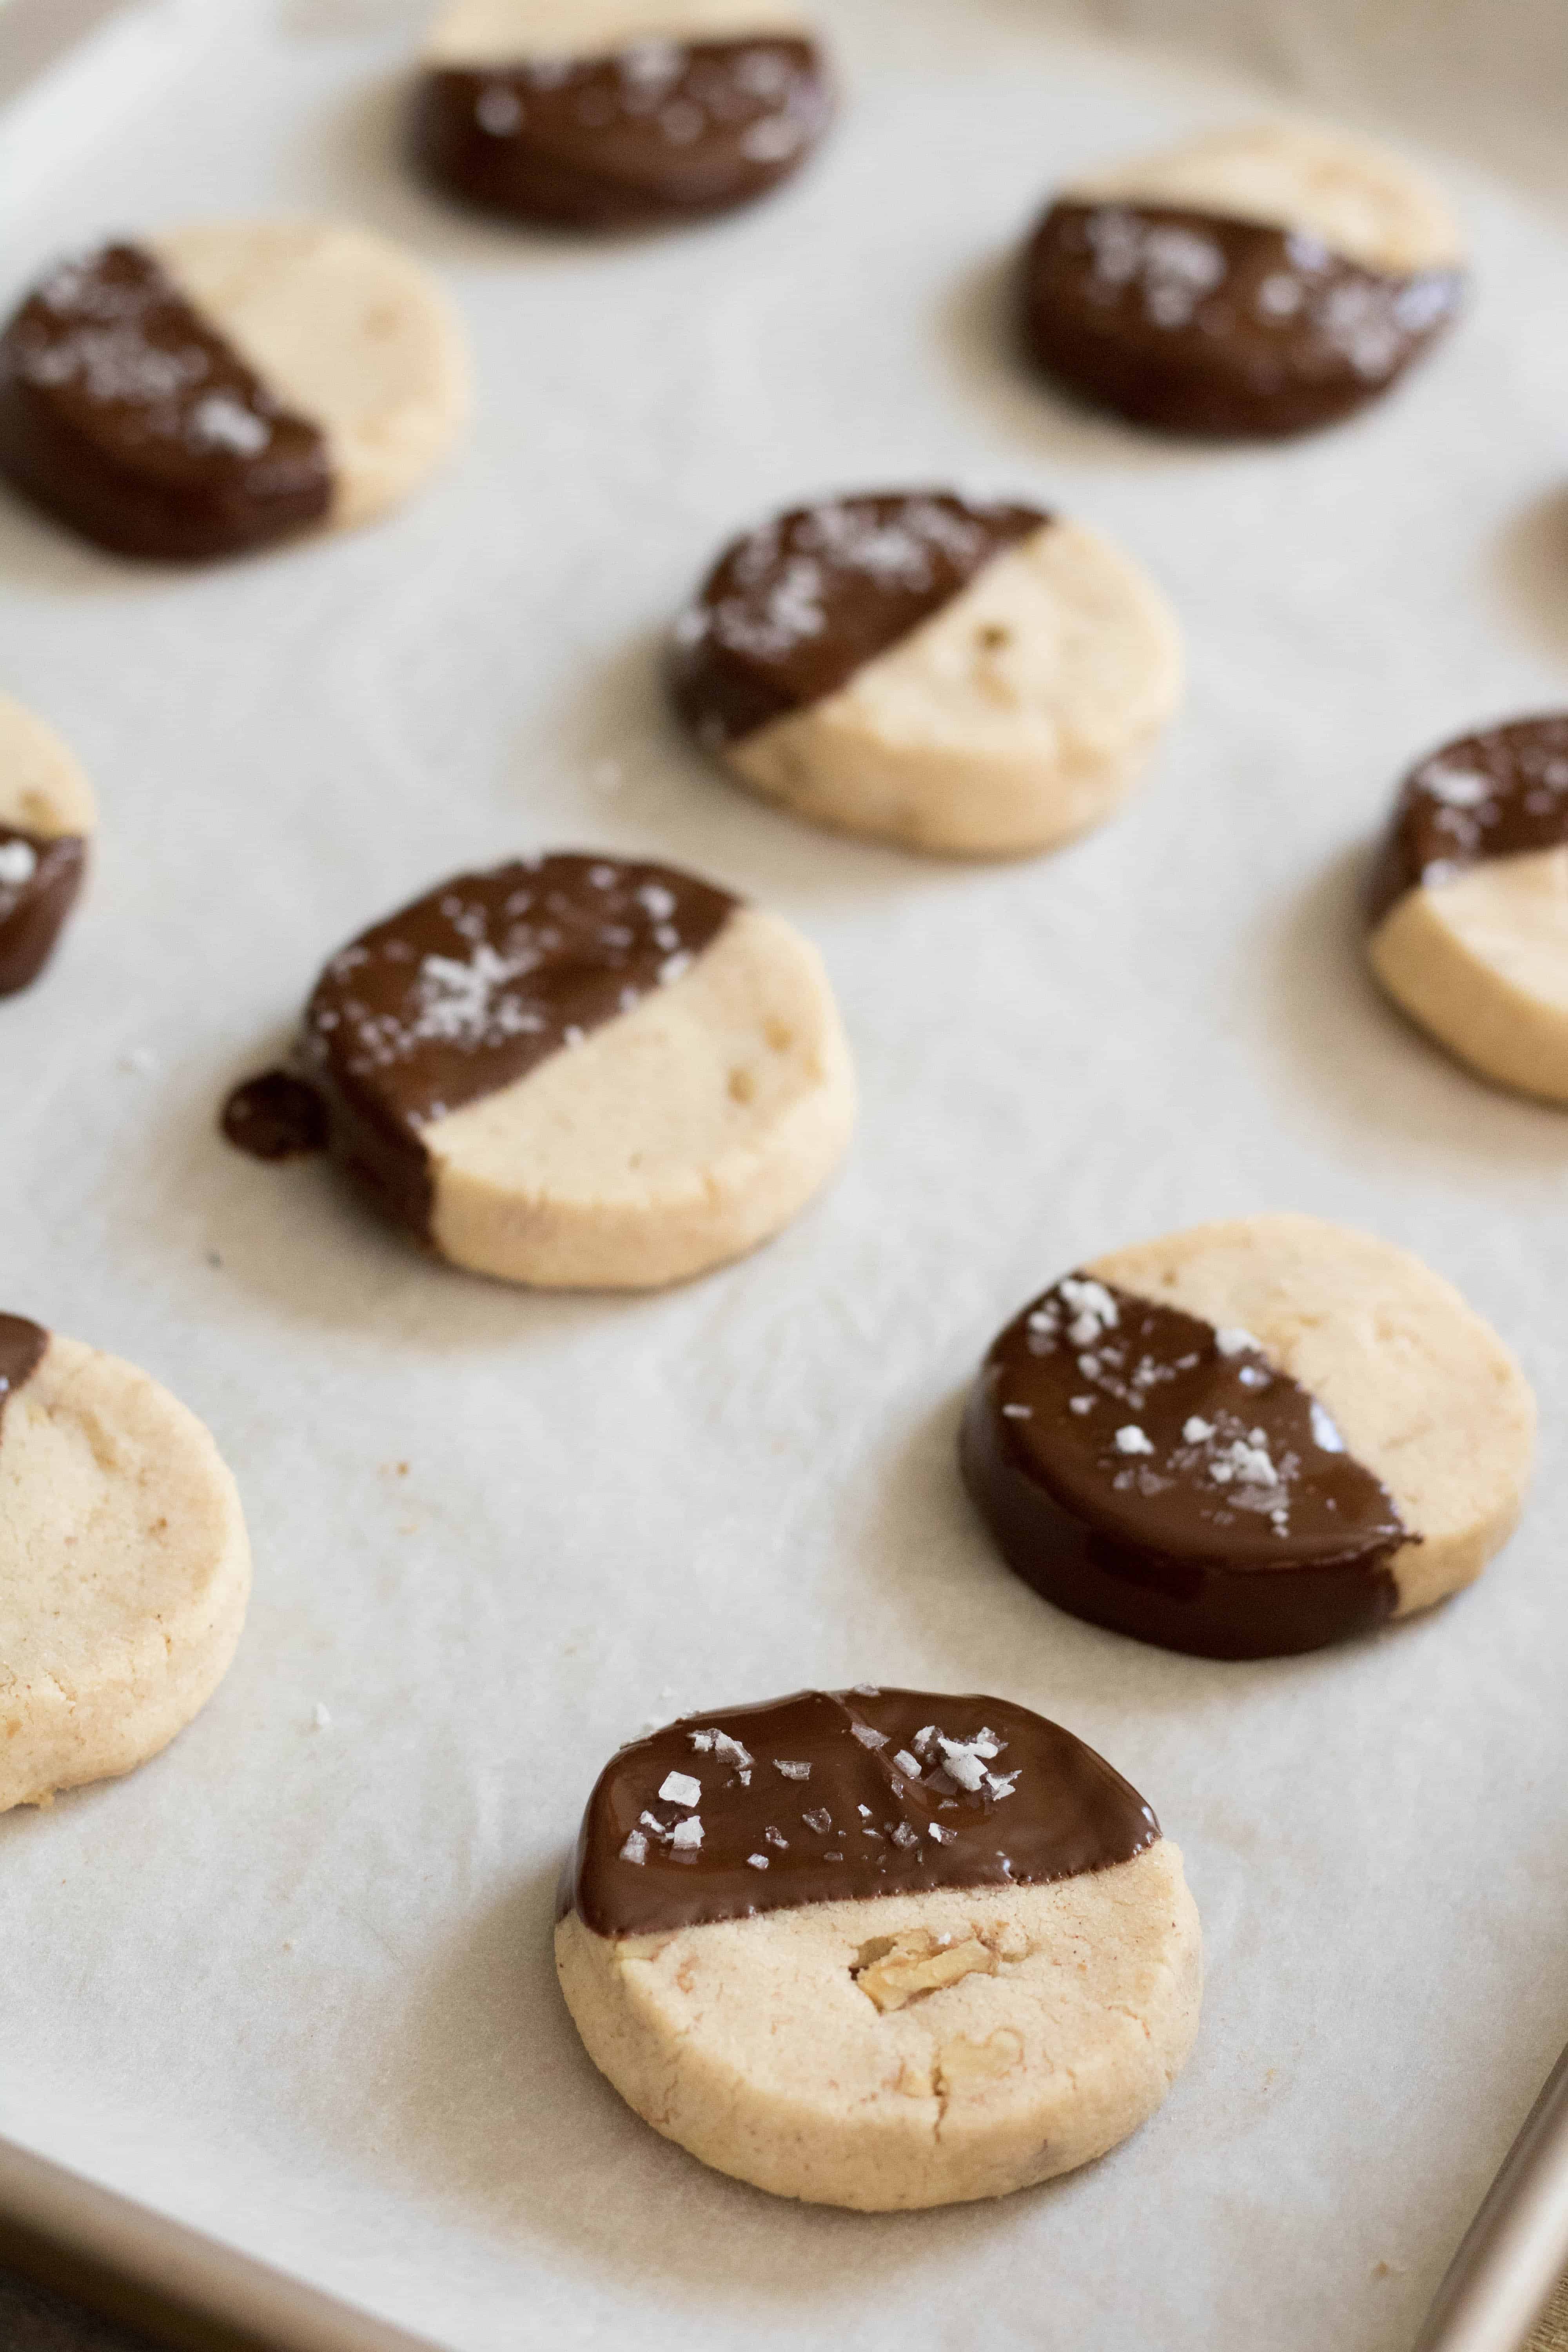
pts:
pixel 214 389
pixel 882 1948
pixel 573 1070
pixel 48 813
pixel 949 674
pixel 616 113
pixel 1468 912
pixel 1249 1439
pixel 1258 282
pixel 125 1568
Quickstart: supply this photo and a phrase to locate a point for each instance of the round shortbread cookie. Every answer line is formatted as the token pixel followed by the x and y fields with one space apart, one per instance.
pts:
pixel 881 1949
pixel 616 113
pixel 977 680
pixel 219 387
pixel 47 813
pixel 124 1566
pixel 1469 911
pixel 1261 280
pixel 577 1072
pixel 1249 1439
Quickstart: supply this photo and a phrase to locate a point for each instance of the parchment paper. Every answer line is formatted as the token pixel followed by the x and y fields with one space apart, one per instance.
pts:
pixel 293 1983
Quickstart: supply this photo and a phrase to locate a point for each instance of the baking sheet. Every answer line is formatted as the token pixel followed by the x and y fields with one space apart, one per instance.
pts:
pixel 290 1983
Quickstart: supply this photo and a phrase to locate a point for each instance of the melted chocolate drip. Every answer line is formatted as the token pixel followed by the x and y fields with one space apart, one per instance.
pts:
pixel 1153 1475
pixel 39 878
pixel 1498 793
pixel 830 1796
pixel 126 413
pixel 658 132
pixel 789 613
pixel 22 1346
pixel 276 1117
pixel 1200 324
pixel 473 985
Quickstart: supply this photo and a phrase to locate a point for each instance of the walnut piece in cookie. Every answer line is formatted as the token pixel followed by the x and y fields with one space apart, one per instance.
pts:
pixel 575 1070
pixel 606 114
pixel 1249 1439
pixel 1467 911
pixel 48 813
pixel 1260 281
pixel 951 673
pixel 880 1948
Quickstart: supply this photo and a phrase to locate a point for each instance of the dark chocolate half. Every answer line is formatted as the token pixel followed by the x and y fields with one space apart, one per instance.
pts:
pixel 660 130
pixel 474 984
pixel 39 878
pixel 22 1346
pixel 1147 1472
pixel 1200 324
pixel 1498 793
pixel 830 1796
pixel 125 413
pixel 790 612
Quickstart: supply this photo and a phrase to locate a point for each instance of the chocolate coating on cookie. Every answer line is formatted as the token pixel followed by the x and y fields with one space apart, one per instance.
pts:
pixel 471 986
pixel 830 1796
pixel 125 412
pixel 39 878
pixel 22 1347
pixel 1498 793
pixel 1202 324
pixel 276 1117
pixel 1152 1474
pixel 658 132
pixel 790 612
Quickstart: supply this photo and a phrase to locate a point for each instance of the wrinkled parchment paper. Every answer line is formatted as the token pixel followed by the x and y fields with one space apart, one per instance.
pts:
pixel 291 1982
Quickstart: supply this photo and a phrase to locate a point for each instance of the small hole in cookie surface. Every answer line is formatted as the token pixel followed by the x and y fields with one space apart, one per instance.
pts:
pixel 742 1087
pixel 993 636
pixel 780 1035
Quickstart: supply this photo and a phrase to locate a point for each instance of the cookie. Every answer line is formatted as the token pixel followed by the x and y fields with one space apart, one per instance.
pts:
pixel 46 814
pixel 616 113
pixel 882 1948
pixel 576 1071
pixel 1249 1439
pixel 1257 282
pixel 217 388
pixel 915 666
pixel 125 1568
pixel 1468 907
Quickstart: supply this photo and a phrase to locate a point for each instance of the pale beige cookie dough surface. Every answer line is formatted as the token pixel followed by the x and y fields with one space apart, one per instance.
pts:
pixel 676 1137
pixel 1364 204
pixel 502 32
pixel 346 329
pixel 1017 716
pixel 907 2051
pixel 1423 1391
pixel 124 1571
pixel 44 788
pixel 1481 962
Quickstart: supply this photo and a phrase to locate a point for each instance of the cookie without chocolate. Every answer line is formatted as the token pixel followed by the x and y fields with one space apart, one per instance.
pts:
pixel 47 812
pixel 617 114
pixel 922 668
pixel 215 389
pixel 1249 1439
pixel 880 1948
pixel 1468 907
pixel 576 1071
pixel 124 1566
pixel 1260 281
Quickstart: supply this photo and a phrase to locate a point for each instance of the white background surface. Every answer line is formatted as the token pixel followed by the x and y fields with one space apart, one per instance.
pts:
pixel 293 1984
